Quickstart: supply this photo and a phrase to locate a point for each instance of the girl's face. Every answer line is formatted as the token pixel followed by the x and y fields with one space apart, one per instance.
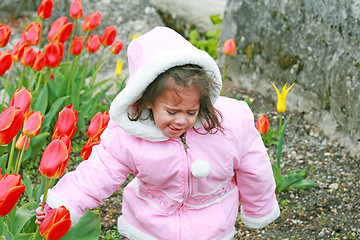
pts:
pixel 176 112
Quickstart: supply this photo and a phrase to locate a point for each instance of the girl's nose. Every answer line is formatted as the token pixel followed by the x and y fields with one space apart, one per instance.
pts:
pixel 180 120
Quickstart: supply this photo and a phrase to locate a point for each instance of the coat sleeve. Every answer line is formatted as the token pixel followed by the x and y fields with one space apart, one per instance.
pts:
pixel 254 174
pixel 96 178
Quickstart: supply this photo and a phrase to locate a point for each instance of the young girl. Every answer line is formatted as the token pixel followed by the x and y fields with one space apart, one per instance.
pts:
pixel 194 155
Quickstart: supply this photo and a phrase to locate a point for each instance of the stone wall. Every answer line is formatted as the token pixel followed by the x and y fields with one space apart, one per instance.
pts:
pixel 310 42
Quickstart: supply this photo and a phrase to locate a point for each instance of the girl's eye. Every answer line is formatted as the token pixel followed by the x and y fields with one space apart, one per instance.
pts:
pixel 171 113
pixel 191 113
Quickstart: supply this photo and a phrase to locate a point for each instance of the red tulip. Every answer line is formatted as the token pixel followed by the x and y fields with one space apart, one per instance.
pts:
pixel 76 9
pixel 60 30
pixel 77 46
pixel 229 47
pixel 108 36
pixel 93 43
pixel 5 32
pixel 67 142
pixel 10 192
pixel 21 141
pixel 45 9
pixel 98 124
pixel 11 120
pixel 39 62
pixel 6 61
pixel 32 125
pixel 66 123
pixel 52 76
pixel 91 22
pixel 21 98
pixel 18 50
pixel 32 33
pixel 54 53
pixel 56 224
pixel 28 57
pixel 54 159
pixel 262 124
pixel 117 47
pixel 87 148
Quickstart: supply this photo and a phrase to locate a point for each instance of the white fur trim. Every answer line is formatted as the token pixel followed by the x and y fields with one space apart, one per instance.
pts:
pixel 143 77
pixel 55 201
pixel 130 232
pixel 260 222
pixel 200 168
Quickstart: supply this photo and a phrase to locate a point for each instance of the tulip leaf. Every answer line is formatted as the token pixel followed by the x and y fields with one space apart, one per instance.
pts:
pixel 41 102
pixel 29 187
pixel 39 189
pixel 304 184
pixel 55 107
pixel 23 215
pixel 6 233
pixel 88 227
pixel 290 178
pixel 280 144
pixel 24 236
pixel 3 160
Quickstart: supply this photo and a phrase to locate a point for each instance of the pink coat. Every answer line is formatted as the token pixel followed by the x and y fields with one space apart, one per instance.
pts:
pixel 166 200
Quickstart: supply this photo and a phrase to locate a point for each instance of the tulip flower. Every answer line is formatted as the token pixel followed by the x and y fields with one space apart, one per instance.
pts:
pixel 11 120
pixel 87 148
pixel 91 22
pixel 54 159
pixel 10 192
pixel 21 141
pixel 28 57
pixel 21 98
pixel 6 61
pixel 119 66
pixel 262 124
pixel 60 30
pixel 32 33
pixel 45 9
pixel 32 125
pixel 56 224
pixel 117 47
pixel 77 46
pixel 93 43
pixel 54 53
pixel 67 142
pixel 5 32
pixel 108 36
pixel 66 123
pixel 18 50
pixel 281 106
pixel 229 47
pixel 76 10
pixel 39 62
pixel 98 124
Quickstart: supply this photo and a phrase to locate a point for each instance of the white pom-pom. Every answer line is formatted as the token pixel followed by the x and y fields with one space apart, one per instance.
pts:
pixel 200 168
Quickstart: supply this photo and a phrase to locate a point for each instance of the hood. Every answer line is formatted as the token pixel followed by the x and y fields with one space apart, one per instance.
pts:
pixel 148 56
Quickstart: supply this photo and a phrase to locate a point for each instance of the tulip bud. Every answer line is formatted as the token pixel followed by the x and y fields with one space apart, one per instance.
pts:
pixel 76 9
pixel 39 62
pixel 66 123
pixel 54 159
pixel 108 36
pixel 6 61
pixel 93 43
pixel 117 47
pixel 52 76
pixel 32 125
pixel 21 98
pixel 21 141
pixel 262 124
pixel 28 57
pixel 32 33
pixel 54 53
pixel 5 32
pixel 45 9
pixel 229 47
pixel 119 66
pixel 77 46
pixel 18 50
pixel 56 224
pixel 11 190
pixel 11 120
pixel 91 22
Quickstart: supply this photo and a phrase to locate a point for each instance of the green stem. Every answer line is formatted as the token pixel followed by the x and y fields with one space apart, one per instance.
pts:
pixel 82 81
pixel 224 74
pixel 74 63
pixel 47 184
pixel 11 156
pixel 41 33
pixel 6 85
pixel 98 69
pixel 31 78
pixel 71 39
pixel 2 221
pixel 17 169
pixel 280 123
pixel 38 83
pixel 21 77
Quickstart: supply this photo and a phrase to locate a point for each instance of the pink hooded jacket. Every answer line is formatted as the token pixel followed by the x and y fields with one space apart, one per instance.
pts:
pixel 183 189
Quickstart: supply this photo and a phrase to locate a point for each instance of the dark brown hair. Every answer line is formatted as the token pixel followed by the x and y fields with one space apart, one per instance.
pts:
pixel 185 76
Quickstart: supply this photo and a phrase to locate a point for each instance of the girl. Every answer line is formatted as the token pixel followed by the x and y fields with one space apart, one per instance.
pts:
pixel 194 155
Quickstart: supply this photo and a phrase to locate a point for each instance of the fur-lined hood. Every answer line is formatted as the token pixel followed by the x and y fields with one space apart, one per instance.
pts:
pixel 148 56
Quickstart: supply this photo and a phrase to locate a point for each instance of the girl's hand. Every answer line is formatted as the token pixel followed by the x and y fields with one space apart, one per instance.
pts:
pixel 40 215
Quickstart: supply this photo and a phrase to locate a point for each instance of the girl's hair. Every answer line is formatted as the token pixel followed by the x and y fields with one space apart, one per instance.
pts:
pixel 186 76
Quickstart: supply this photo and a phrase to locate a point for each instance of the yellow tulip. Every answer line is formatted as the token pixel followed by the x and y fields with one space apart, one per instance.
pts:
pixel 119 65
pixel 281 107
pixel 132 37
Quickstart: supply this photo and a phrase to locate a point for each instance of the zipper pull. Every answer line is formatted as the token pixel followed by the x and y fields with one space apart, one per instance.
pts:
pixel 183 140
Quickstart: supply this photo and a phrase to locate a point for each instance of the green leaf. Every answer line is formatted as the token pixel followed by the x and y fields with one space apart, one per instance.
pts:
pixel 42 100
pixel 88 227
pixel 3 161
pixel 24 236
pixel 216 19
pixel 39 190
pixel 23 215
pixel 280 143
pixel 29 187
pixel 6 233
pixel 304 184
pixel 290 178
pixel 54 110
